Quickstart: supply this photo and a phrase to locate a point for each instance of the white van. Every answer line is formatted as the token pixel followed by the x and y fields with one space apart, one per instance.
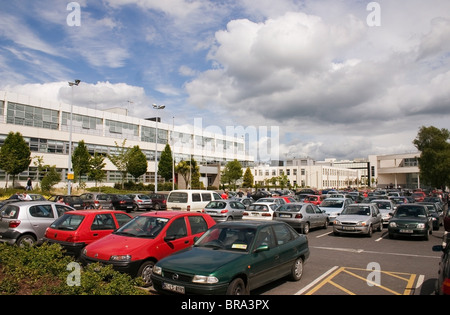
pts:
pixel 190 200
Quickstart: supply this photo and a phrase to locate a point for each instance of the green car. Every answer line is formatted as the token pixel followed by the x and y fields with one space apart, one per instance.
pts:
pixel 411 220
pixel 234 258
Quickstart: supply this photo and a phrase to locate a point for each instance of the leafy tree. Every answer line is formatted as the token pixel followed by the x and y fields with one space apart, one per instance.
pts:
pixel 165 163
pixel 51 177
pixel 195 172
pixel 80 160
pixel 136 162
pixel 434 160
pixel 184 169
pixel 96 165
pixel 233 172
pixel 120 159
pixel 15 155
pixel 248 178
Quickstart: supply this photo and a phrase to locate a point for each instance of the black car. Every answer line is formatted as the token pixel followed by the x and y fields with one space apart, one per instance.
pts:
pixel 121 202
pixel 159 201
pixel 74 201
pixel 411 220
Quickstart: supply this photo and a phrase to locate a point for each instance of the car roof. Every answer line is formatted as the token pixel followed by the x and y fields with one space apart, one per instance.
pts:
pixel 250 223
pixel 93 211
pixel 168 213
pixel 33 202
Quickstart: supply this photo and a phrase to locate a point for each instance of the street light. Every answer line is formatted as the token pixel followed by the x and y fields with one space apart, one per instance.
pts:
pixel 69 166
pixel 156 146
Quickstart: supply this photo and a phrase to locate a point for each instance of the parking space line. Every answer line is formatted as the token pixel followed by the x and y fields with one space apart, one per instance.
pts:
pixel 315 281
pixel 341 288
pixel 368 281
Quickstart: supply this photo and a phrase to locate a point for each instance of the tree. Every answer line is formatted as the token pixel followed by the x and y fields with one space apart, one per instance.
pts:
pixel 15 155
pixel 233 172
pixel 165 163
pixel 51 177
pixel 248 178
pixel 120 159
pixel 184 169
pixel 80 161
pixel 195 172
pixel 136 162
pixel 434 160
pixel 96 165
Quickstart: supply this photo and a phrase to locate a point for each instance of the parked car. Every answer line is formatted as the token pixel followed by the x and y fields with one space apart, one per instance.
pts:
pixel 25 222
pixel 120 202
pixel 301 216
pixel 443 279
pixel 260 211
pixel 141 201
pixel 386 207
pixel 190 200
pixel 436 213
pixel 334 206
pixel 34 197
pixel 418 196
pixel 138 245
pixel 73 201
pixel 360 218
pixel 76 229
pixel 95 200
pixel 411 220
pixel 398 200
pixel 245 256
pixel 260 194
pixel 278 200
pixel 225 210
pixel 246 201
pixel 314 199
pixel 159 201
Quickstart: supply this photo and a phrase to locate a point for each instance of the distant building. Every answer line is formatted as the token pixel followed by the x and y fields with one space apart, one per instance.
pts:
pixel 46 127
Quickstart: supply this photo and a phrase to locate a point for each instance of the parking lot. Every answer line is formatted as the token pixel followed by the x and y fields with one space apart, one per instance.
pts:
pixel 358 265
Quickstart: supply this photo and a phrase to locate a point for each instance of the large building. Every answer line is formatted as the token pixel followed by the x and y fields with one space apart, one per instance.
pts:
pixel 48 129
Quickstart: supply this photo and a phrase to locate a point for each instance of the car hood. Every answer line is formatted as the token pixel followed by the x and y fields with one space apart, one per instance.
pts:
pixel 409 219
pixel 200 260
pixel 352 217
pixel 114 244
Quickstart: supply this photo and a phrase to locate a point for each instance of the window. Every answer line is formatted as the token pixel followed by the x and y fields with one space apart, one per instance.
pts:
pixel 196 197
pixel 177 229
pixel 216 196
pixel 206 197
pixel 122 219
pixel 61 209
pixel 265 238
pixel 198 224
pixel 283 234
pixel 42 211
pixel 103 222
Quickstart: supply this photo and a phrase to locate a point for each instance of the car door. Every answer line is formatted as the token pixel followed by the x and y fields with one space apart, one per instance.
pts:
pixel 311 215
pixel 176 237
pixel 265 258
pixel 40 217
pixel 103 224
pixel 237 209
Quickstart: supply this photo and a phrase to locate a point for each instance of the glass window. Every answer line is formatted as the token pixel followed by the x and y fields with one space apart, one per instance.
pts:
pixel 103 222
pixel 196 197
pixel 122 218
pixel 177 229
pixel 198 224
pixel 41 211
pixel 282 233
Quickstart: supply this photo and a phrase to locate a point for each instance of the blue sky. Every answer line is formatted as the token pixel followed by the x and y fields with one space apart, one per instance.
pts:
pixel 337 77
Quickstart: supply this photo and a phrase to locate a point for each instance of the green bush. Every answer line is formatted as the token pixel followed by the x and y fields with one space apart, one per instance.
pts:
pixel 46 270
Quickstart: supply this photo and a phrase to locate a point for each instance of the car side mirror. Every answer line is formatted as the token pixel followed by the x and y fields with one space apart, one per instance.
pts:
pixel 169 238
pixel 262 248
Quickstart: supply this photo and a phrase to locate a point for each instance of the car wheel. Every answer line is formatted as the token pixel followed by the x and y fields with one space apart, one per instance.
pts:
pixel 26 240
pixel 426 237
pixel 230 218
pixel 380 227
pixel 325 225
pixel 237 287
pixel 145 271
pixel 157 207
pixel 297 269
pixel 370 231
pixel 306 228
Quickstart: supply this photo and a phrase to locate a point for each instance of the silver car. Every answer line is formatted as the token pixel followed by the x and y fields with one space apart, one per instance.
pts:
pixel 25 222
pixel 334 206
pixel 225 210
pixel 386 207
pixel 302 216
pixel 141 201
pixel 358 218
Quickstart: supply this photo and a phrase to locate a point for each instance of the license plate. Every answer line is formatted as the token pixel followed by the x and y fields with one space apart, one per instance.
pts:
pixel 76 205
pixel 173 287
pixel 255 214
pixel 406 231
pixel 285 215
pixel 348 228
pixel 129 206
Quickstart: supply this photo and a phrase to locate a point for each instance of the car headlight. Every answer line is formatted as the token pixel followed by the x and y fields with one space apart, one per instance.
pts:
pixel 392 224
pixel 420 225
pixel 122 258
pixel 205 279
pixel 337 222
pixel 157 270
pixel 361 223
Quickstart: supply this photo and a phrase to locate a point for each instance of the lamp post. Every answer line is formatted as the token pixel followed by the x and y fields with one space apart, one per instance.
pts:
pixel 156 146
pixel 69 166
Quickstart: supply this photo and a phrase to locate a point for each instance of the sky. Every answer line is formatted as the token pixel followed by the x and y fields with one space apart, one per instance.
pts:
pixel 337 79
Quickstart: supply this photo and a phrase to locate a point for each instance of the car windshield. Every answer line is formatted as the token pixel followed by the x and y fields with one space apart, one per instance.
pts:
pixel 228 238
pixel 178 197
pixel 410 211
pixel 332 203
pixel 69 222
pixel 143 226
pixel 216 205
pixel 383 205
pixel 358 210
pixel 289 208
pixel 254 207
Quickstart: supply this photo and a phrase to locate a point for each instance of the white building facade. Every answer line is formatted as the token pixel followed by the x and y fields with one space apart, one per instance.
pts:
pixel 48 129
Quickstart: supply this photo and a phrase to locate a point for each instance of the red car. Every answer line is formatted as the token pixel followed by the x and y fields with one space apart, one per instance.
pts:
pixel 139 244
pixel 314 199
pixel 76 229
